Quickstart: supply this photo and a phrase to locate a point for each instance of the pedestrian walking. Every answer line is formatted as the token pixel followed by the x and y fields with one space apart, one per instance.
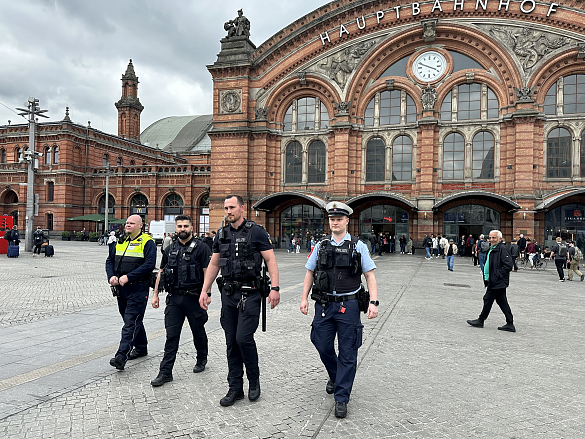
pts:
pixel 435 251
pixel 461 249
pixel 373 242
pixel 334 273
pixel 450 251
pixel 380 244
pixel 409 246
pixel 238 250
pixel 575 258
pixel 402 242
pixel 560 252
pixel 521 244
pixel 129 265
pixel 427 245
pixel 514 252
pixel 443 243
pixel 38 238
pixel 496 275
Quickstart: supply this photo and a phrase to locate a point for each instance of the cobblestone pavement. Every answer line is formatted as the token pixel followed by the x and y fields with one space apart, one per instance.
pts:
pixel 422 373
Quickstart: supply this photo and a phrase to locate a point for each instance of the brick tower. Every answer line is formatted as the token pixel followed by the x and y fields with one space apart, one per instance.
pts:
pixel 129 106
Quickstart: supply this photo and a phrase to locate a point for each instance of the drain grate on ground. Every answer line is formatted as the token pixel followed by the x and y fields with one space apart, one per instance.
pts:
pixel 457 285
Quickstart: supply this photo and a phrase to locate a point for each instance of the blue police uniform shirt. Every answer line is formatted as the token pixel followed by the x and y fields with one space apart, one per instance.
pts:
pixel 361 247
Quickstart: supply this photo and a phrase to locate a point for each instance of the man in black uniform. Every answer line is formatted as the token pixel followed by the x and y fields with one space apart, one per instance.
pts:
pixel 129 264
pixel 238 249
pixel 183 265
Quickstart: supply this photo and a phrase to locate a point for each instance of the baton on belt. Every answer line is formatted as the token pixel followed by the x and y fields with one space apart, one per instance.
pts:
pixel 264 291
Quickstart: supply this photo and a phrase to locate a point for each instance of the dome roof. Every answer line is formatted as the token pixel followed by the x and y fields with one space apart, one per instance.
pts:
pixel 179 134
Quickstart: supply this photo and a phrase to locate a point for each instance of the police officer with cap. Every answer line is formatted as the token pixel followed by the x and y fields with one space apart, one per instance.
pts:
pixel 334 272
pixel 183 265
pixel 129 265
pixel 238 250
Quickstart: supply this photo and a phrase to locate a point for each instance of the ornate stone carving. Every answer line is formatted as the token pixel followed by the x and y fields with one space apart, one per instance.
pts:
pixel 339 67
pixel 581 52
pixel 470 77
pixel 261 114
pixel 238 27
pixel 524 93
pixel 171 189
pixel 342 108
pixel 230 101
pixel 136 189
pixel 389 84
pixel 530 46
pixel 7 187
pixel 303 78
pixel 429 29
pixel 428 97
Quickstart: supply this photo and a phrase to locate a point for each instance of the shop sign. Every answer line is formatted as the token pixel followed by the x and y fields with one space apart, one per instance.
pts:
pixel 574 215
pixel 388 218
pixel 404 217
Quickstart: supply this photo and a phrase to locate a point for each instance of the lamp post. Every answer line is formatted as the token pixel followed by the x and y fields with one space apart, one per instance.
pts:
pixel 30 157
pixel 107 204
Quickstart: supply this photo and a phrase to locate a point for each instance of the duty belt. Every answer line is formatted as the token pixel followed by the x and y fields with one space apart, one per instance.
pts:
pixel 186 292
pixel 341 298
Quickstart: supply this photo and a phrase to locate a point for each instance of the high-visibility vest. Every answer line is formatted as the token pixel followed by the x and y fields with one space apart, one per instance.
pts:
pixel 130 254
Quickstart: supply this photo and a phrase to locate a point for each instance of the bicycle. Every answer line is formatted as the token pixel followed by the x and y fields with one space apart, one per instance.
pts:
pixel 540 263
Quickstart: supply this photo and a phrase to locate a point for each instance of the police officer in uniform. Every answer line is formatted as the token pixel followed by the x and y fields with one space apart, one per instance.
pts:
pixel 183 265
pixel 238 250
pixel 334 272
pixel 129 264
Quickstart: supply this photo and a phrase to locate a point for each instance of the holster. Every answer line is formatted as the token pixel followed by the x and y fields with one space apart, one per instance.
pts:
pixel 363 299
pixel 320 287
pixel 220 281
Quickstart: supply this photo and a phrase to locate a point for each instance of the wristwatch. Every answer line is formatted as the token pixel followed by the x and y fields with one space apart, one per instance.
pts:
pixel 375 302
pixel 275 289
pixel 209 294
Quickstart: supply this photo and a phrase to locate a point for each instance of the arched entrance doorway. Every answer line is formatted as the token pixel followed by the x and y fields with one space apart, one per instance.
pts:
pixel 566 221
pixel 111 204
pixel 391 221
pixel 173 206
pixel 139 206
pixel 470 219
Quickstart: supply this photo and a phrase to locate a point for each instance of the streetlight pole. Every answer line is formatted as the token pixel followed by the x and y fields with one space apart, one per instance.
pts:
pixel 30 156
pixel 107 211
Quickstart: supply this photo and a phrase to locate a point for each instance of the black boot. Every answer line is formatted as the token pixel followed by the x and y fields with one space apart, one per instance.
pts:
pixel 254 391
pixel 478 323
pixel 118 362
pixel 161 379
pixel 200 366
pixel 231 397
pixel 340 409
pixel 330 387
pixel 508 327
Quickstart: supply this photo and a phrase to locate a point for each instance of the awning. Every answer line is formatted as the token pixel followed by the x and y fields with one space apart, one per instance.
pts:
pixel 485 195
pixel 546 204
pixel 96 217
pixel 272 201
pixel 361 199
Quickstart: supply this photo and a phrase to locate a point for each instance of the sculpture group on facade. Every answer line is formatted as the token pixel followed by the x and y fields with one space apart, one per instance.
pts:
pixel 238 27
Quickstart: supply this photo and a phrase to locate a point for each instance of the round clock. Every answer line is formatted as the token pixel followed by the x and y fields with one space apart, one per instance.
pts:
pixel 429 66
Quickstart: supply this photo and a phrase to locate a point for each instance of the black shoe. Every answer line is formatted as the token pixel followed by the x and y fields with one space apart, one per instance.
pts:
pixel 507 327
pixel 582 277
pixel 118 362
pixel 254 391
pixel 340 409
pixel 330 387
pixel 200 366
pixel 231 397
pixel 161 379
pixel 477 323
pixel 134 354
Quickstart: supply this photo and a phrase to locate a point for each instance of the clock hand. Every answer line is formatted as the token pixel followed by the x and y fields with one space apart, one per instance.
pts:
pixel 434 68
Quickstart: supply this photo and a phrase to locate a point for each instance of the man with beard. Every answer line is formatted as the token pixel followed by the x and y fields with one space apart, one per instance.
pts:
pixel 183 265
pixel 238 249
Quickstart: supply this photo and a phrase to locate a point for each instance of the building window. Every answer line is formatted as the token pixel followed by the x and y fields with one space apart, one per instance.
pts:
pixel 469 103
pixel 2 155
pixel 583 154
pixel 402 158
pixel 50 191
pixel 550 100
pixel 294 163
pixel 132 163
pixel 317 162
pixel 173 206
pixel 105 160
pixel 483 155
pixel 50 221
pixel 119 161
pixel 55 155
pixel 288 117
pixel 453 157
pixel 390 109
pixel 47 156
pixel 558 161
pixel 375 159
pixel 304 113
pixel 447 107
pixel 324 120
pixel 574 94
pixel 111 204
pixel 17 155
pixel 369 114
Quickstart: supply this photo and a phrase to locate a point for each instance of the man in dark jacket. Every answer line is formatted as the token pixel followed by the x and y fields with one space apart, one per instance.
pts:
pixel 496 274
pixel 514 252
pixel 521 245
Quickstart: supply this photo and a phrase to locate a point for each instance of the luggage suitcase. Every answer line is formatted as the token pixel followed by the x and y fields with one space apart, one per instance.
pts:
pixel 49 250
pixel 13 251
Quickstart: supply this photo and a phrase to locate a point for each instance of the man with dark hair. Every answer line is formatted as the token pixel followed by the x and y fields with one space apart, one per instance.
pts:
pixel 560 252
pixel 183 264
pixel 575 257
pixel 38 238
pixel 208 240
pixel 238 250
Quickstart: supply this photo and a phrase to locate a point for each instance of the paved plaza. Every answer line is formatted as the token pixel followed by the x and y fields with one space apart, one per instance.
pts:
pixel 422 371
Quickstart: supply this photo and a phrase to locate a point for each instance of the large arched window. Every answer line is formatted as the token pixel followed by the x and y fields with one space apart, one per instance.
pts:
pixel 293 163
pixel 173 206
pixel 574 94
pixel 375 159
pixel 390 108
pixel 2 155
pixel 453 157
pixel 469 104
pixel 47 156
pixel 55 154
pixel 402 158
pixel 50 191
pixel 306 114
pixel 550 100
pixel 317 161
pixel 558 151
pixel 139 205
pixel 483 155
pixel 119 161
pixel 17 154
pixel 111 205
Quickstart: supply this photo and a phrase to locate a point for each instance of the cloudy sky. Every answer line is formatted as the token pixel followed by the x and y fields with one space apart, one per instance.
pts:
pixel 74 52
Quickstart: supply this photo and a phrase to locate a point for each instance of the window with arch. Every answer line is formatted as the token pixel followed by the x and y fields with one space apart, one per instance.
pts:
pixel 50 191
pixel 47 156
pixel 307 113
pixel 390 108
pixel 50 221
pixel 402 158
pixel 17 154
pixel 293 163
pixel 375 159
pixel 453 157
pixel 317 162
pixel 119 161
pixel 105 160
pixel 2 155
pixel 55 154
pixel 558 153
pixel 469 103
pixel 483 155
pixel 173 206
pixel 111 205
pixel 139 200
pixel 550 100
pixel 569 93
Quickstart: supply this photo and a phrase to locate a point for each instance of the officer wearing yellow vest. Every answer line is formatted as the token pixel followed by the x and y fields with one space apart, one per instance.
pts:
pixel 129 265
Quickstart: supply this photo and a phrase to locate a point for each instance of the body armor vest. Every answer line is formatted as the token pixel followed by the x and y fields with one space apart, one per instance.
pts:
pixel 237 261
pixel 183 268
pixel 130 254
pixel 341 264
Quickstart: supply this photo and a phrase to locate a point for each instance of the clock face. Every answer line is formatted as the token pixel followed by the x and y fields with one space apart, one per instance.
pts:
pixel 429 66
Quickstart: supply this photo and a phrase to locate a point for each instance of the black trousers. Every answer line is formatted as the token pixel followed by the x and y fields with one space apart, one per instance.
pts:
pixel 132 303
pixel 499 296
pixel 37 249
pixel 514 261
pixel 178 307
pixel 239 326
pixel 560 263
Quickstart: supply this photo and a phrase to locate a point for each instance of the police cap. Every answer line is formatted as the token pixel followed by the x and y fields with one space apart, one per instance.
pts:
pixel 336 208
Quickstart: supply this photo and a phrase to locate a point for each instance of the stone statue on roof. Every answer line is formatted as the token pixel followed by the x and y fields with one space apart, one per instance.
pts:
pixel 238 27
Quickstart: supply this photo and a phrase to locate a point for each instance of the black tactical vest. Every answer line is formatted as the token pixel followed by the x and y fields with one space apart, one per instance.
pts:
pixel 237 261
pixel 187 273
pixel 342 264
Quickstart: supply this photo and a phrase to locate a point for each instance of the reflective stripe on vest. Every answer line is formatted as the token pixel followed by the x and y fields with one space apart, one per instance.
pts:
pixel 131 253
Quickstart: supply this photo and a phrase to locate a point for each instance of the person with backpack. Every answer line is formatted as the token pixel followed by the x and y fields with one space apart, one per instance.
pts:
pixel 515 252
pixel 482 248
pixel 468 245
pixel 38 239
pixel 427 244
pixel 373 242
pixel 560 252
pixel 575 257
